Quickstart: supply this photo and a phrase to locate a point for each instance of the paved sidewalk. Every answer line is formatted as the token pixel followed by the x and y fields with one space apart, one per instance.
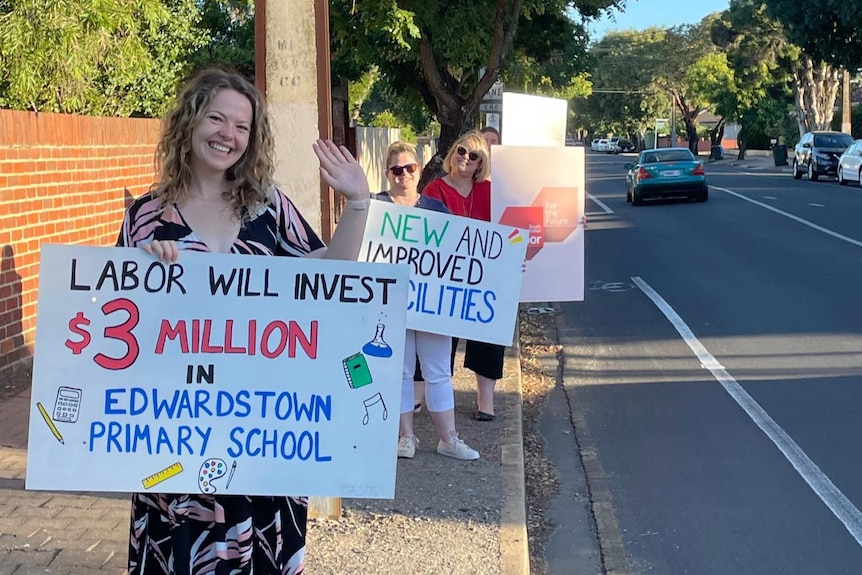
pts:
pixel 448 516
pixel 755 160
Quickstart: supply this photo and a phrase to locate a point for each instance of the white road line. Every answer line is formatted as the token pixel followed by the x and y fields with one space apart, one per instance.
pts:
pixel 600 204
pixel 794 218
pixel 769 197
pixel 836 501
pixel 817 205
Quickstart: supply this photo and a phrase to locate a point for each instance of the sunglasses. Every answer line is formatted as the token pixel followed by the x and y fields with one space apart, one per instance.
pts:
pixel 472 155
pixel 398 170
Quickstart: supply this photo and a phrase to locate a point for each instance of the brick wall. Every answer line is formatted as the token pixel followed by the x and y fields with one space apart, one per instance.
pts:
pixel 63 179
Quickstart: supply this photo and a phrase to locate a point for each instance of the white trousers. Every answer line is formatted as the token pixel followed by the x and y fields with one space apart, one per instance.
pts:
pixel 433 352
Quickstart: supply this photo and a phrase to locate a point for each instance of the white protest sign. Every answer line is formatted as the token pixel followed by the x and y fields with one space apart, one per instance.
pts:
pixel 533 121
pixel 220 373
pixel 542 190
pixel 465 274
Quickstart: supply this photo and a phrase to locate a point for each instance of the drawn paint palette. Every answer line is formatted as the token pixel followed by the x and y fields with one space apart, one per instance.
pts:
pixel 210 470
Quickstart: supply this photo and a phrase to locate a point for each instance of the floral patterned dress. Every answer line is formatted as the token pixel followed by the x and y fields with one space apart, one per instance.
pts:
pixel 196 534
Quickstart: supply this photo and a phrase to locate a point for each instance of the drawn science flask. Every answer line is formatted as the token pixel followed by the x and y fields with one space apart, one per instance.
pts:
pixel 377 346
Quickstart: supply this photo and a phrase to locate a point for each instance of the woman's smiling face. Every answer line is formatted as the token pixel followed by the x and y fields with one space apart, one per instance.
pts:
pixel 465 160
pixel 406 180
pixel 222 135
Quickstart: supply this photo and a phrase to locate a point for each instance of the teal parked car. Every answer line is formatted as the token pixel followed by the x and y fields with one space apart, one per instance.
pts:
pixel 666 173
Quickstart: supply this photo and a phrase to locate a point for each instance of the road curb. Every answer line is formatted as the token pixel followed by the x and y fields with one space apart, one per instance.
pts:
pixel 514 548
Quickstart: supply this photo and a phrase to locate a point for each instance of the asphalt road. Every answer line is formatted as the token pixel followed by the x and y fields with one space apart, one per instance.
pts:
pixel 714 375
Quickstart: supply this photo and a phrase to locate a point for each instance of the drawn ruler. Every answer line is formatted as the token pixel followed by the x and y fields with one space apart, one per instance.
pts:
pixel 163 475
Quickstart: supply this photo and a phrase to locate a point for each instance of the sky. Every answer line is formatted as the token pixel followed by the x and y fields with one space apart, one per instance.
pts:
pixel 641 14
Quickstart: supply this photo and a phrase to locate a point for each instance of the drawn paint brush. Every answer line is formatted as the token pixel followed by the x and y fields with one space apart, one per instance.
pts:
pixel 230 476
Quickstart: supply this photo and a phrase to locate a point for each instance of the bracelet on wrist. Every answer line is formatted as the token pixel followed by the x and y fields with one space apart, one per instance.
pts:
pixel 358 204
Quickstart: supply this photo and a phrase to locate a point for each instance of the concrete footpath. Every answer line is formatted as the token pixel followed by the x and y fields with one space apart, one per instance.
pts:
pixel 448 516
pixel 755 160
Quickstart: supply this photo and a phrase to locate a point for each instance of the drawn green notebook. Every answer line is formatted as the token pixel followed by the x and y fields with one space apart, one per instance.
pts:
pixel 356 371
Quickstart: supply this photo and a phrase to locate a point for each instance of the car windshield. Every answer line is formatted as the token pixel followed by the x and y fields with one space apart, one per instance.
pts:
pixel 833 140
pixel 666 156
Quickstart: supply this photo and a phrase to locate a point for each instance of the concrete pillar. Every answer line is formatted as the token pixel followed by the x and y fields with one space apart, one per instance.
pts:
pixel 292 70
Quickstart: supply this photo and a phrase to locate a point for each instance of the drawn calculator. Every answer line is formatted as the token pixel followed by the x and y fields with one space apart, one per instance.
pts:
pixel 67 405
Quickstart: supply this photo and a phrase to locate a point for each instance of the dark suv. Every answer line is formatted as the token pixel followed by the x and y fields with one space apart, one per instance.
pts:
pixel 817 154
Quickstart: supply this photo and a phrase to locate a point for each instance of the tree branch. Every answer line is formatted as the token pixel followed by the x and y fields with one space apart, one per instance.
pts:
pixel 432 75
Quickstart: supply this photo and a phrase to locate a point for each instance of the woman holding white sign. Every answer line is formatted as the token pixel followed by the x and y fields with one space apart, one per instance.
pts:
pixel 466 191
pixel 431 350
pixel 216 194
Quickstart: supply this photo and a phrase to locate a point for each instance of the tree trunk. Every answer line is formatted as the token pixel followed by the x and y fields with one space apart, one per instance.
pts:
pixel 690 117
pixel 816 90
pixel 453 123
pixel 691 133
pixel 716 136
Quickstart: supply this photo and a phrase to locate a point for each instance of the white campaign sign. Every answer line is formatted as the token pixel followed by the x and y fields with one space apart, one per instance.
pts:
pixel 533 121
pixel 542 190
pixel 465 274
pixel 220 374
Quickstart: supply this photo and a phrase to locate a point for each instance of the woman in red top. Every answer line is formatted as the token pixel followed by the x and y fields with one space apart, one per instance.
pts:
pixel 466 191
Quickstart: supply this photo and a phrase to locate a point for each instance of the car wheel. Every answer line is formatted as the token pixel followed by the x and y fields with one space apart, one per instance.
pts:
pixel 841 180
pixel 628 195
pixel 860 178
pixel 812 175
pixel 796 174
pixel 636 198
pixel 703 196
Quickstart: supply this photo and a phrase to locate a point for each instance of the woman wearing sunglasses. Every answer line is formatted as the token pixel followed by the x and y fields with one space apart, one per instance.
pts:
pixel 431 350
pixel 466 191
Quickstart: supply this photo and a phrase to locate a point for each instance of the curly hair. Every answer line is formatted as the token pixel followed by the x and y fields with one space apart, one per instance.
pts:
pixel 250 178
pixel 474 141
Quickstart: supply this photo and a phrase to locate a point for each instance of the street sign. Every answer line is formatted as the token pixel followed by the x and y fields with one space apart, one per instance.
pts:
pixel 495 93
pixel 486 106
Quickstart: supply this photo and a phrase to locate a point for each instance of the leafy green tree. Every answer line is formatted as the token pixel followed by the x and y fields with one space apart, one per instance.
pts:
pixel 360 91
pixel 714 80
pixel 548 57
pixel 826 30
pixel 372 96
pixel 766 64
pixel 624 98
pixel 98 57
pixel 229 27
pixel 760 60
pixel 437 49
pixel 682 47
pixel 655 66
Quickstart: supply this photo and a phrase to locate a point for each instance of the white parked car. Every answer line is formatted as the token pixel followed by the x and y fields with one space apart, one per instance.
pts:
pixel 594 144
pixel 602 145
pixel 850 164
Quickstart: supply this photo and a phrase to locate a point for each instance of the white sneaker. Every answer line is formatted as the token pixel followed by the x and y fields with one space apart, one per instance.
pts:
pixel 407 446
pixel 457 449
